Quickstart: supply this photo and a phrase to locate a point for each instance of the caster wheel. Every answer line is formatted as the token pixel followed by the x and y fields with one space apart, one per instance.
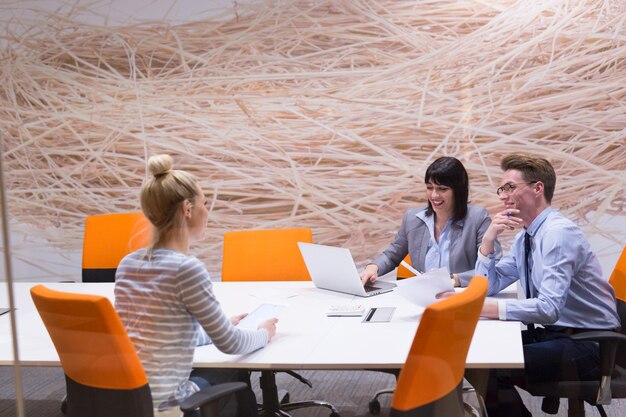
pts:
pixel 374 406
pixel 283 396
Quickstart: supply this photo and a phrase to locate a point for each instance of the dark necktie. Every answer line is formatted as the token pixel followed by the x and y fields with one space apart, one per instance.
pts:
pixel 527 254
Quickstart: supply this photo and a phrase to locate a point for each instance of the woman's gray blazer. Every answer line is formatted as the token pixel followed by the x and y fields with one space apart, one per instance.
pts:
pixel 413 237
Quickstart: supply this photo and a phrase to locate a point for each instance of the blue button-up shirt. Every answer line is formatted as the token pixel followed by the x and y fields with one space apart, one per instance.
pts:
pixel 567 285
pixel 438 253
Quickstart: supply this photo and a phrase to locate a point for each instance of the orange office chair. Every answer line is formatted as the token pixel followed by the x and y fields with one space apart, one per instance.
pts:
pixel 374 404
pixel 270 255
pixel 612 381
pixel 107 239
pixel 431 380
pixel 103 374
pixel 265 255
pixel 402 272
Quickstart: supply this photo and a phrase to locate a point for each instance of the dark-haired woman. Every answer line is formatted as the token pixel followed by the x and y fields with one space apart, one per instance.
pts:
pixel 446 233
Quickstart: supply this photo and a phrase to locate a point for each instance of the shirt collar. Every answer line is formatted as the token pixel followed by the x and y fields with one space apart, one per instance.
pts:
pixel 431 219
pixel 539 220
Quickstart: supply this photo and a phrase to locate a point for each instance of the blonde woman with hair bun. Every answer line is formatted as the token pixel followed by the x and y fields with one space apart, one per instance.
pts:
pixel 165 298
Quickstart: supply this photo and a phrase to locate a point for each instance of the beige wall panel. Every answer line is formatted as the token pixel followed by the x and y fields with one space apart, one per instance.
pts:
pixel 322 114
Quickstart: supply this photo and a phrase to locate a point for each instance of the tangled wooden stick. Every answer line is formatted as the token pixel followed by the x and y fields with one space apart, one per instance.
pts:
pixel 320 114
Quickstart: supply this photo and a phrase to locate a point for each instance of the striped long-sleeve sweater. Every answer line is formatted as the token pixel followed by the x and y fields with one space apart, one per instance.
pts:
pixel 168 308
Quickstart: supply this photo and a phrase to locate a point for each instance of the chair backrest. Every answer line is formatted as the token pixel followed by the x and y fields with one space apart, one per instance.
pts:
pixel 104 375
pixel 107 239
pixel 431 380
pixel 265 255
pixel 403 272
pixel 618 282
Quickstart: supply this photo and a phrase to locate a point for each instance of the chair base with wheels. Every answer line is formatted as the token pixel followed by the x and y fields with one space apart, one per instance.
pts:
pixel 272 406
pixel 578 393
pixel 374 404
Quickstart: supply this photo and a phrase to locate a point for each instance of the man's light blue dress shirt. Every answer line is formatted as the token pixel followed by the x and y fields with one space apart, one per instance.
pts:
pixel 567 285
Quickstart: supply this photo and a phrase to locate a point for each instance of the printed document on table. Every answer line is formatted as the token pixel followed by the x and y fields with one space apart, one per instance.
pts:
pixel 422 289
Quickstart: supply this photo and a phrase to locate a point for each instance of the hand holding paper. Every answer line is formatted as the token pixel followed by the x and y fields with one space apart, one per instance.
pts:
pixel 422 290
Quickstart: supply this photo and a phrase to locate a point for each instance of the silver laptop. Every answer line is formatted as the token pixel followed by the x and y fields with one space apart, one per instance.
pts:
pixel 333 268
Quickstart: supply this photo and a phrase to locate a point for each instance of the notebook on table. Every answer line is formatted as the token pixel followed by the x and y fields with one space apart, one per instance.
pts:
pixel 333 269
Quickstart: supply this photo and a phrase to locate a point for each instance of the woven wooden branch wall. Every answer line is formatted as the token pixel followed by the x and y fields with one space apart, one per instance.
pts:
pixel 322 113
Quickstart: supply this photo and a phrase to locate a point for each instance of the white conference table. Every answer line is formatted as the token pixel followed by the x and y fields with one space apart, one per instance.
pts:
pixel 305 339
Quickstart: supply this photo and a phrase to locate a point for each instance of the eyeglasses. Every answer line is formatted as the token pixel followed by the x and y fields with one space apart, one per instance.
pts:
pixel 509 187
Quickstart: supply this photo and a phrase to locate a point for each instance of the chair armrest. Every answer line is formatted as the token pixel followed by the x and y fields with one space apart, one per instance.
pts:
pixel 609 342
pixel 599 336
pixel 210 395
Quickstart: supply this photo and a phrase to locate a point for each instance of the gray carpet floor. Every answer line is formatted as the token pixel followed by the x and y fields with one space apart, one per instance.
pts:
pixel 349 391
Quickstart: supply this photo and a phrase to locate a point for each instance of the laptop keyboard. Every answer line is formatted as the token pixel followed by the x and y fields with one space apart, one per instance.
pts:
pixel 370 288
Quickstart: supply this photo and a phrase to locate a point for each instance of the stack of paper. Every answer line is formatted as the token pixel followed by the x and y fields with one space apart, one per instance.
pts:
pixel 423 289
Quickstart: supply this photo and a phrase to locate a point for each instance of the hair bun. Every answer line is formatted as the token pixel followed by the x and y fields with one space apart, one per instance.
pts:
pixel 159 165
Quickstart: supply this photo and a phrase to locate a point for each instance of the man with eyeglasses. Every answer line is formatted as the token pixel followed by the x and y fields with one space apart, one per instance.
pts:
pixel 565 290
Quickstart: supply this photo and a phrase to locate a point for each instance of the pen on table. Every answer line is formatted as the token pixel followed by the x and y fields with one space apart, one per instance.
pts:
pixel 410 268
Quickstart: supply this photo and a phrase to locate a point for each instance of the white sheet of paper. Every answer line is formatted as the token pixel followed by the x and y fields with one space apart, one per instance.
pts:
pixel 422 289
pixel 259 315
